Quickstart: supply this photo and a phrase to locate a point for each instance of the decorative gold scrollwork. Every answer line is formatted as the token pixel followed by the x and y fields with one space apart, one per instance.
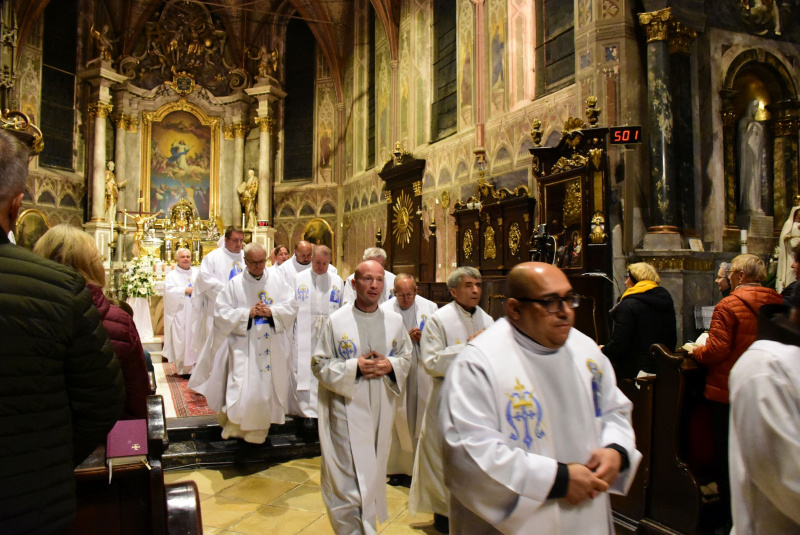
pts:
pixel 514 238
pixel 489 248
pixel 467 245
pixel 572 203
pixel 402 220
pixel 568 164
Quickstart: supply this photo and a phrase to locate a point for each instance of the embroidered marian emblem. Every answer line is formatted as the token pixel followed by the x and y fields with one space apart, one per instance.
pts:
pixel 267 300
pixel 347 348
pixel 391 294
pixel 302 292
pixel 422 323
pixel 522 410
pixel 235 270
pixel 596 378
pixel 394 348
pixel 335 294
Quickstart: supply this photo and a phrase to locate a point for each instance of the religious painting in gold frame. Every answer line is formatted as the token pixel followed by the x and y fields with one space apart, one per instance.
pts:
pixel 31 225
pixel 180 159
pixel 562 211
pixel 319 232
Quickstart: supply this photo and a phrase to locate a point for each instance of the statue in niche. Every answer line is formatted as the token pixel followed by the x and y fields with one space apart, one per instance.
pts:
pixel 761 16
pixel 247 196
pixel 112 191
pixel 789 239
pixel 751 139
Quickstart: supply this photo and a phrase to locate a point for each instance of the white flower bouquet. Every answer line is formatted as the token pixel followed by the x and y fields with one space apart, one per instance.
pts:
pixel 138 281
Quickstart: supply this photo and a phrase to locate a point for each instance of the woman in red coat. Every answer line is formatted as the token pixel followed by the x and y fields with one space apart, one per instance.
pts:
pixel 734 326
pixel 73 247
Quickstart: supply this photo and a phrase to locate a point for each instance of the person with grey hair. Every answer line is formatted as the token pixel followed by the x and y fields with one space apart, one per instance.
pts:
pixel 61 382
pixel 247 385
pixel 447 332
pixel 317 294
pixel 179 313
pixel 379 255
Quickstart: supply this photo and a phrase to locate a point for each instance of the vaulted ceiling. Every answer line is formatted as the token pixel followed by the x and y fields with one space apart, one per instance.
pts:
pixel 246 22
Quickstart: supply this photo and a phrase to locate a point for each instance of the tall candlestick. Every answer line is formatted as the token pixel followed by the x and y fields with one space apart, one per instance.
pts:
pixel 242 221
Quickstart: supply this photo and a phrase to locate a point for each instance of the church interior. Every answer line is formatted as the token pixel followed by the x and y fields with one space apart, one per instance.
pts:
pixel 588 133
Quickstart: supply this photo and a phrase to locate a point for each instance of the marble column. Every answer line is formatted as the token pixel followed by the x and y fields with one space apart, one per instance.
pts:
pixel 98 113
pixel 239 133
pixel 727 97
pixel 120 159
pixel 265 172
pixel 680 40
pixel 663 187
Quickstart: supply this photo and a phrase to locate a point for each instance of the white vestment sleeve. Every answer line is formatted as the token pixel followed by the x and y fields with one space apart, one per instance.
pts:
pixel 229 317
pixel 283 309
pixel 434 352
pixel 401 363
pixel 481 470
pixel 333 372
pixel 207 282
pixel 764 422
pixel 174 292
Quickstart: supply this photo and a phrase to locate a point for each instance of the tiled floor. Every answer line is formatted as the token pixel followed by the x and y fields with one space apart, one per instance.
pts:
pixel 281 499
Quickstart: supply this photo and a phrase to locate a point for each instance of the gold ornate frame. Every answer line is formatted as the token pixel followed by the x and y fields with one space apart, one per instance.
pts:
pixel 148 118
pixel 327 226
pixel 22 237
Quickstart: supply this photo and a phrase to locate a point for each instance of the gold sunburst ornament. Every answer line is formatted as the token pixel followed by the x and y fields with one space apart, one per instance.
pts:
pixel 402 219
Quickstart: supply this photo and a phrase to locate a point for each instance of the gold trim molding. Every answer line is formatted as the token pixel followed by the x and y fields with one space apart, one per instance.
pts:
pixel 680 38
pixel 417 188
pixel 656 23
pixel 265 124
pixel 786 127
pixel 682 263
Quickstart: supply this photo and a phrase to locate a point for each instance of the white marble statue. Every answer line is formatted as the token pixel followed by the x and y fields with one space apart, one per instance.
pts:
pixel 751 159
pixel 790 238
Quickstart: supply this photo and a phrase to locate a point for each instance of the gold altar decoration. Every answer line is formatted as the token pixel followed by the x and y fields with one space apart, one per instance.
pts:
pixel 656 23
pixel 182 83
pixel 592 111
pixel 489 248
pixel 536 132
pixel 514 237
pixel 182 216
pixel 598 234
pixel 572 203
pixel 20 126
pixel 445 199
pixel 468 242
pixel 402 219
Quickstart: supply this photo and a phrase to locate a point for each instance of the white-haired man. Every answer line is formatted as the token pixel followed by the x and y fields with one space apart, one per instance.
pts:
pixel 415 311
pixel 379 255
pixel 248 383
pixel 299 262
pixel 361 361
pixel 446 333
pixel 217 268
pixel 179 313
pixel 317 294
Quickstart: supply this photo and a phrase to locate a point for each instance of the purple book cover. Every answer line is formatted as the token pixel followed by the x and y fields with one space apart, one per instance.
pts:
pixel 127 438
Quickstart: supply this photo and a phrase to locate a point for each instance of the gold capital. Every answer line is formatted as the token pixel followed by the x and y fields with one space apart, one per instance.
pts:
pixel 240 130
pixel 264 124
pixel 133 124
pixel 656 23
pixel 227 131
pixel 98 109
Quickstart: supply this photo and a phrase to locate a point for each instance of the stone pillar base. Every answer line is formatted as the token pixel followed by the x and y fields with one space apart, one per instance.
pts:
pixel 101 231
pixel 266 237
pixel 659 241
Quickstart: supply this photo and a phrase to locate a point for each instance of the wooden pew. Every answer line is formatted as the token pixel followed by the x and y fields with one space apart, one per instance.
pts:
pixel 136 501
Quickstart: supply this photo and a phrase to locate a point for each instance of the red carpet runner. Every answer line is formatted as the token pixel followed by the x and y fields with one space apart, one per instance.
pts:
pixel 187 402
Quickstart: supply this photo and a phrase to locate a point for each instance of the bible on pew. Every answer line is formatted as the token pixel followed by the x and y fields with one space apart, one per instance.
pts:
pixel 126 444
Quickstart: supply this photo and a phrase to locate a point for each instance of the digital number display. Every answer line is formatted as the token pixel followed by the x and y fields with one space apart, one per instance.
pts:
pixel 621 135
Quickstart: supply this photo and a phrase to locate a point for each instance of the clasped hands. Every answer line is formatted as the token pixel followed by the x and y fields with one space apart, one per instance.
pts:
pixel 596 476
pixel 261 310
pixel 374 365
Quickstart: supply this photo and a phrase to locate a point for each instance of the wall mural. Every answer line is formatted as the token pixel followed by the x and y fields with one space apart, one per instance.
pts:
pixel 180 159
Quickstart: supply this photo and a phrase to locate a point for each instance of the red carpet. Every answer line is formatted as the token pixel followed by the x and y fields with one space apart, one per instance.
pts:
pixel 187 402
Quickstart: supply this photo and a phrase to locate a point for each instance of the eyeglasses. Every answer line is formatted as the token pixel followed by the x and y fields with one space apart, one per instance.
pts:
pixel 406 296
pixel 259 263
pixel 553 304
pixel 729 271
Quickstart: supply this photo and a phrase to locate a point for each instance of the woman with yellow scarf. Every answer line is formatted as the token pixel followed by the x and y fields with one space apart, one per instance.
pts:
pixel 644 315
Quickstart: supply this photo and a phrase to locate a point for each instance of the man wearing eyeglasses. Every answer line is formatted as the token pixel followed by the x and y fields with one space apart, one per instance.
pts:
pixel 535 430
pixel 415 311
pixel 446 333
pixel 248 382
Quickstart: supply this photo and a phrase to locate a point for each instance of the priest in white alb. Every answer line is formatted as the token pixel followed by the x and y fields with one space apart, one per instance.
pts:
pixel 415 311
pixel 317 294
pixel 379 255
pixel 217 268
pixel 535 430
pixel 361 361
pixel 299 261
pixel 250 311
pixel 179 313
pixel 446 333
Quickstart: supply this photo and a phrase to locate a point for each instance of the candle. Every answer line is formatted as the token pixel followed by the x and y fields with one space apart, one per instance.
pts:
pixel 242 220
pixel 743 233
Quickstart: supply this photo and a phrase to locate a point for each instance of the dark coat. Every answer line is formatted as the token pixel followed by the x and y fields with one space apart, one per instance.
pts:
pixel 640 320
pixel 734 325
pixel 128 348
pixel 60 388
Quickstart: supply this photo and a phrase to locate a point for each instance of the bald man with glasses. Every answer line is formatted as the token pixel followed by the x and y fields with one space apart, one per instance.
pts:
pixel 536 432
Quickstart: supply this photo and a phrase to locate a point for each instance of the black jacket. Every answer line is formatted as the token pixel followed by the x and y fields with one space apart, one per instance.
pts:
pixel 61 389
pixel 640 320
